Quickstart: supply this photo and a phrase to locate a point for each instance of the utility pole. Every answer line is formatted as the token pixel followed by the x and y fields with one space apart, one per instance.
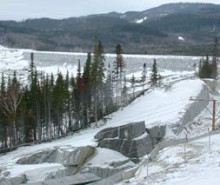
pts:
pixel 213 114
pixel 213 109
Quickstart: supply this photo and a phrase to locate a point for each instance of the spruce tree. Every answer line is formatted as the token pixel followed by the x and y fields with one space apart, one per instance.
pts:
pixel 206 68
pixel 79 96
pixel 59 96
pixel 98 76
pixel 144 74
pixel 119 61
pixel 87 93
pixel 3 120
pixel 73 92
pixel 108 93
pixel 154 75
pixel 119 72
pixel 133 84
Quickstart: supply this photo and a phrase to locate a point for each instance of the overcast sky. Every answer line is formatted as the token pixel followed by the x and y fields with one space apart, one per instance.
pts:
pixel 23 9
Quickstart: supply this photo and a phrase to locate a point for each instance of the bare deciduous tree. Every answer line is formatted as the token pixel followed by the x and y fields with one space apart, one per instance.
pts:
pixel 9 106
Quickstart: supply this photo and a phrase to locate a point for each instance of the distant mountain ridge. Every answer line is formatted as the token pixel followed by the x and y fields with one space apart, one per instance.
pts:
pixel 153 31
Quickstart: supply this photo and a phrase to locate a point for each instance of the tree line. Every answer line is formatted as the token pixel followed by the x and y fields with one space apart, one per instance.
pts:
pixel 208 67
pixel 50 107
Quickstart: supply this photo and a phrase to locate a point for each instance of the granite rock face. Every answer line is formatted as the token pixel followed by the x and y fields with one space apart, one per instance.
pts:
pixel 132 148
pixel 71 159
pixel 132 130
pixel 76 179
pixel 105 163
pixel 129 131
pixel 68 156
pixel 132 140
pixel 110 132
pixel 13 180
pixel 156 133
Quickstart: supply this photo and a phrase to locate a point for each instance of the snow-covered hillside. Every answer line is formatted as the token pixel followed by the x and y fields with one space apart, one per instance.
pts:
pixel 198 164
pixel 160 106
pixel 155 107
pixel 166 105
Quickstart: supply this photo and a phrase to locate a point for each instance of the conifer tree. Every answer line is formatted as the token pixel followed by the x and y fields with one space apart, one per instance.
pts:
pixel 154 75
pixel 119 65
pixel 206 68
pixel 73 92
pixel 32 68
pixel 68 117
pixel 3 120
pixel 133 84
pixel 87 93
pixel 119 62
pixel 144 73
pixel 79 96
pixel 108 93
pixel 59 96
pixel 97 80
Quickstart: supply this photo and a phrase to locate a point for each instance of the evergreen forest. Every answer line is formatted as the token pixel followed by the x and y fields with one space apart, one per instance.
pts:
pixel 48 107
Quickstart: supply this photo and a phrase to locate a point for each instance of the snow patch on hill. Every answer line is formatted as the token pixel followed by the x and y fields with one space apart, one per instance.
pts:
pixel 99 159
pixel 181 38
pixel 139 21
pixel 159 106
pixel 202 166
pixel 2 47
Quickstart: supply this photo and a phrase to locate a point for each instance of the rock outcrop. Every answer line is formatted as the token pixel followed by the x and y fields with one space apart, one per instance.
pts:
pixel 105 163
pixel 131 140
pixel 156 133
pixel 110 132
pixel 63 161
pixel 70 180
pixel 13 180
pixel 195 108
pixel 66 155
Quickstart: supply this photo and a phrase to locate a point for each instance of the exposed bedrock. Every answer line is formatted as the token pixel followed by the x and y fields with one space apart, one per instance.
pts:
pixel 195 108
pixel 156 133
pixel 71 159
pixel 68 156
pixel 104 172
pixel 13 180
pixel 131 139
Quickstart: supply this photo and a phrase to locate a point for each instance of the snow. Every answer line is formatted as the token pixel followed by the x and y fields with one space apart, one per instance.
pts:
pixel 201 167
pixel 59 69
pixel 167 104
pixel 157 107
pixel 12 59
pixel 101 154
pixel 2 47
pixel 181 38
pixel 139 21
pixel 35 172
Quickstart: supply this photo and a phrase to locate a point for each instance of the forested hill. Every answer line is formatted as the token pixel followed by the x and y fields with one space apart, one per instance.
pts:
pixel 181 28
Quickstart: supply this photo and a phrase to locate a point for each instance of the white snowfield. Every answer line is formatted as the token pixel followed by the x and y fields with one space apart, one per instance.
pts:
pixel 139 21
pixel 181 38
pixel 202 166
pixel 158 106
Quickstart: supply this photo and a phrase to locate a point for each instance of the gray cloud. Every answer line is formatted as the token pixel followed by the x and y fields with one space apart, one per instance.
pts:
pixel 23 9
